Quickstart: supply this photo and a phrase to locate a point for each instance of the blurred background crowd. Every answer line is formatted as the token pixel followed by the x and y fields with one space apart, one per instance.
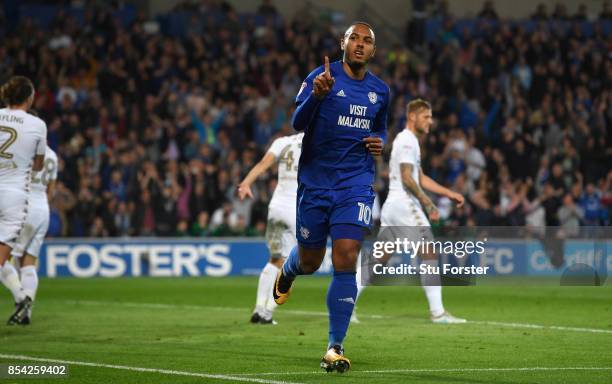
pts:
pixel 156 129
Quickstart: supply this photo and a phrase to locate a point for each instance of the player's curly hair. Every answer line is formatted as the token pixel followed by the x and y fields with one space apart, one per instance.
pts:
pixel 16 90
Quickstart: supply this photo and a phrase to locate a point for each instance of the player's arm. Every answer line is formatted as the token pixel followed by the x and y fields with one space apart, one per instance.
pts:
pixel 413 187
pixel 431 185
pixel 50 190
pixel 244 188
pixel 41 149
pixel 314 89
pixel 38 163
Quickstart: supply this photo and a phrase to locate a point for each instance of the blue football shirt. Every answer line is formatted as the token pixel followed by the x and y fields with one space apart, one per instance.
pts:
pixel 333 153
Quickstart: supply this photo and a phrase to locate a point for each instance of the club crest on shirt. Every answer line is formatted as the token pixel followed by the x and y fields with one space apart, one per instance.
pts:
pixel 373 97
pixel 304 232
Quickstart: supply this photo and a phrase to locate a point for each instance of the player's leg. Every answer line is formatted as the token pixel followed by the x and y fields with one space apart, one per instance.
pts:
pixel 8 274
pixel 342 293
pixel 301 261
pixel 311 231
pixel 10 279
pixel 271 270
pixel 288 241
pixel 364 269
pixel 431 282
pixel 360 288
pixel 29 282
pixel 432 285
pixel 386 232
pixel 350 220
pixel 274 231
pixel 27 262
pixel 11 228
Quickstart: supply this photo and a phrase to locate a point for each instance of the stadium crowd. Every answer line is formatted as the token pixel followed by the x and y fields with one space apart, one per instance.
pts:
pixel 154 132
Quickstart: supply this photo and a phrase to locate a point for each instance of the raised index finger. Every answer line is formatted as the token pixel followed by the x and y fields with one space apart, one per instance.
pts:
pixel 327 72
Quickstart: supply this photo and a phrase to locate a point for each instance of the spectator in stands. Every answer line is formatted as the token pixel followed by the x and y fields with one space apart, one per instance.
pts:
pixel 582 13
pixel 570 215
pixel 606 11
pixel 541 12
pixel 590 203
pixel 267 8
pixel 551 202
pixel 200 227
pixel 488 11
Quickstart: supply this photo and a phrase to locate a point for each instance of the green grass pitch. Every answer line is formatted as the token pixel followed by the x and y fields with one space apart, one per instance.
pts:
pixel 190 330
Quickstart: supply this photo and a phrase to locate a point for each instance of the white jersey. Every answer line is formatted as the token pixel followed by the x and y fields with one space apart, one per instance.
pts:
pixel 405 150
pixel 402 209
pixel 287 152
pixel 41 179
pixel 35 228
pixel 22 136
pixel 280 231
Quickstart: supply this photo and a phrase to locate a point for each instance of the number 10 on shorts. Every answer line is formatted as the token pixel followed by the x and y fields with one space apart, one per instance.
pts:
pixel 365 213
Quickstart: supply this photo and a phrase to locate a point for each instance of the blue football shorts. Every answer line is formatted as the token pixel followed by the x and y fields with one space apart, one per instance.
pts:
pixel 342 213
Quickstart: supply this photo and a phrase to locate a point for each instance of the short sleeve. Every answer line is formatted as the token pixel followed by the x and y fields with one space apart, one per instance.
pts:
pixel 277 146
pixel 41 146
pixel 408 151
pixel 56 162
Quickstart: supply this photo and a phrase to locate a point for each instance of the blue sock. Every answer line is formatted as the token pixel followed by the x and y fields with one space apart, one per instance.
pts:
pixel 341 297
pixel 292 268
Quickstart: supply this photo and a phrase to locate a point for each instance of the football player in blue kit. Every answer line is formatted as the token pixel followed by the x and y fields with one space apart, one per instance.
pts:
pixel 342 109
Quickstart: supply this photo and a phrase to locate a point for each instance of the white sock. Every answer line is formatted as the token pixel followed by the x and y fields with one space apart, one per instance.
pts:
pixel 432 285
pixel 260 301
pixel 360 289
pixel 359 278
pixel 271 271
pixel 10 279
pixel 264 287
pixel 29 280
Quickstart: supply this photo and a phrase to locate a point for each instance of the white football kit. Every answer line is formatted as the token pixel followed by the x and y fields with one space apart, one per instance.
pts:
pixel 37 221
pixel 22 137
pixel 280 232
pixel 402 208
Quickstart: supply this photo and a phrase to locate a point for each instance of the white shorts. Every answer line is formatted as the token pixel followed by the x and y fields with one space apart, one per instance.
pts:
pixel 403 212
pixel 406 219
pixel 34 231
pixel 13 211
pixel 280 231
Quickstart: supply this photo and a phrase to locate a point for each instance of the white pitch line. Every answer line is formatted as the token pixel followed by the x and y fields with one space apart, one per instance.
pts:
pixel 243 376
pixel 204 307
pixel 324 314
pixel 434 370
pixel 537 326
pixel 141 369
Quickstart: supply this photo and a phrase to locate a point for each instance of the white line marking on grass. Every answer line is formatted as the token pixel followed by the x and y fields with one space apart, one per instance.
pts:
pixel 203 307
pixel 140 369
pixel 434 370
pixel 537 326
pixel 324 314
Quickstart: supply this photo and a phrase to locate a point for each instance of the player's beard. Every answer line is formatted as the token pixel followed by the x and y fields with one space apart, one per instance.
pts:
pixel 354 65
pixel 422 130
